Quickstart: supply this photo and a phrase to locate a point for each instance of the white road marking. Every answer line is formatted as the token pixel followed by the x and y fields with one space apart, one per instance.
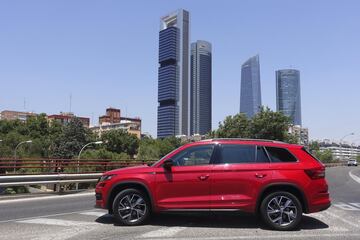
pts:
pixel 163 232
pixel 43 216
pixel 332 222
pixel 354 177
pixel 342 219
pixel 56 222
pixel 47 197
pixel 278 236
pixel 347 207
pixel 94 213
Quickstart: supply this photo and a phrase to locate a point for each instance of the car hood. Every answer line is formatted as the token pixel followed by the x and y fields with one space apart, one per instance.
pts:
pixel 133 169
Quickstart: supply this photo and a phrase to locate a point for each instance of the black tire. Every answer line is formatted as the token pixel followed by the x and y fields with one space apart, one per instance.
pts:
pixel 126 212
pixel 287 218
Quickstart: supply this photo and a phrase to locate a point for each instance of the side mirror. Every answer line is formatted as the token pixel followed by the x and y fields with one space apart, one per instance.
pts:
pixel 167 164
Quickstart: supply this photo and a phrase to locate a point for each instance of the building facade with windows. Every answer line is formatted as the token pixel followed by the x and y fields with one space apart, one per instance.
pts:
pixel 200 88
pixel 343 151
pixel 173 75
pixel 113 120
pixel 65 117
pixel 302 134
pixel 250 89
pixel 16 115
pixel 288 95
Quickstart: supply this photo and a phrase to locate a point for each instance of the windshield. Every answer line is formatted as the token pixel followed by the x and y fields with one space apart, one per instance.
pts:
pixel 155 163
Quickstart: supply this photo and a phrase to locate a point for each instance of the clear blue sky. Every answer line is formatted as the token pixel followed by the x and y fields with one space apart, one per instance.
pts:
pixel 105 53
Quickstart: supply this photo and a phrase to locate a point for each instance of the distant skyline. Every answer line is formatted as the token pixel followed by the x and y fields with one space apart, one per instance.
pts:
pixel 200 88
pixel 105 54
pixel 250 90
pixel 288 94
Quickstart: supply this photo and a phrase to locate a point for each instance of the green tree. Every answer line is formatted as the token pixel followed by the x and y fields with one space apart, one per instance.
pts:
pixel 153 149
pixel 324 156
pixel 120 141
pixel 237 126
pixel 148 149
pixel 73 137
pixel 267 124
pixel 314 146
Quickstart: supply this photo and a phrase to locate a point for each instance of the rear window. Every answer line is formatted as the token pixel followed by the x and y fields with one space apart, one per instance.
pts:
pixel 312 156
pixel 280 155
pixel 237 153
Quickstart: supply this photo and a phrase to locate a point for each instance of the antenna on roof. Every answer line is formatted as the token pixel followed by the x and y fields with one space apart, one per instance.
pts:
pixel 70 102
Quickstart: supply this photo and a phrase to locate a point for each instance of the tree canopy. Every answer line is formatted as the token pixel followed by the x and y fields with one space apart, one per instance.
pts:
pixel 266 124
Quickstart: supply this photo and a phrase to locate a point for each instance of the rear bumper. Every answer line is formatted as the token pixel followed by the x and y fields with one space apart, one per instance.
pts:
pixel 320 203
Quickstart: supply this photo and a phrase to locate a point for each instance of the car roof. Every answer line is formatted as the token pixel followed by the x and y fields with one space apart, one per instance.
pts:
pixel 247 141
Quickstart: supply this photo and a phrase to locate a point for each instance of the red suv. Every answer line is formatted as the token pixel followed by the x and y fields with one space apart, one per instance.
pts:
pixel 276 180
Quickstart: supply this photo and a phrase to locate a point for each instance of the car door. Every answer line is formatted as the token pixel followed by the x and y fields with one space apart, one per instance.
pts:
pixel 238 176
pixel 186 185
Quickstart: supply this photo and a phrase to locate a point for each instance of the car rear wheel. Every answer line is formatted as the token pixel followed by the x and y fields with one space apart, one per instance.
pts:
pixel 281 211
pixel 131 207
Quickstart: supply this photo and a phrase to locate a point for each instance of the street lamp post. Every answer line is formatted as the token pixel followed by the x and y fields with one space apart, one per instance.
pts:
pixel 350 134
pixel 17 146
pixel 96 143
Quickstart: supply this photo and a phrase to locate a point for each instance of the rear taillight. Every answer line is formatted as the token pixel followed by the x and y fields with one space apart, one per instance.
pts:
pixel 316 173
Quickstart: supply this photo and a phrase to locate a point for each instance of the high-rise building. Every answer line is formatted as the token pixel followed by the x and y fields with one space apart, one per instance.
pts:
pixel 173 85
pixel 200 88
pixel 250 93
pixel 288 100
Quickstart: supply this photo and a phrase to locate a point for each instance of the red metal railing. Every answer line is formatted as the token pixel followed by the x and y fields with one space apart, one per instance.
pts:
pixel 52 165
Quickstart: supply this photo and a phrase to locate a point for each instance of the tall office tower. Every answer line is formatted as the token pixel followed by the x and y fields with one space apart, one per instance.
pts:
pixel 288 100
pixel 200 88
pixel 173 86
pixel 250 93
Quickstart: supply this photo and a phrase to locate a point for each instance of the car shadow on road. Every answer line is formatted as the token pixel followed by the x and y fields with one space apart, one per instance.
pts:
pixel 214 220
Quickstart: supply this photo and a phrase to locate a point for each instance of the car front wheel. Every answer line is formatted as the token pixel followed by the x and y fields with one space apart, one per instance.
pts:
pixel 131 207
pixel 281 211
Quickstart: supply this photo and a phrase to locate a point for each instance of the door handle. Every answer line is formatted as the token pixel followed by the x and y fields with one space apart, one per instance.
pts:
pixel 203 177
pixel 260 175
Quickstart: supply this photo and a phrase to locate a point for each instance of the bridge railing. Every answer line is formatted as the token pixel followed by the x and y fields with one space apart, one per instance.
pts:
pixel 50 166
pixel 57 172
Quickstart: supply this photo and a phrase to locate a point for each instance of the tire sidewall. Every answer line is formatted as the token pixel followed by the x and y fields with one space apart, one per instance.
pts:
pixel 265 218
pixel 117 199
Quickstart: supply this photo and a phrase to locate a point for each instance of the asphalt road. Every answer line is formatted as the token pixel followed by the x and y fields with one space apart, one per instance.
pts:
pixel 73 217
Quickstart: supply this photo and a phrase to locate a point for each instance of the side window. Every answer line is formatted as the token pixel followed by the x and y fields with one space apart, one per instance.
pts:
pixel 261 156
pixel 192 156
pixel 237 153
pixel 280 155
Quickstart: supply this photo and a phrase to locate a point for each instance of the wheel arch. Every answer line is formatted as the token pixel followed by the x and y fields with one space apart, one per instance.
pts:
pixel 286 187
pixel 126 185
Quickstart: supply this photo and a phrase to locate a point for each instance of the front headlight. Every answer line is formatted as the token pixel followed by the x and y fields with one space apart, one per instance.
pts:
pixel 106 177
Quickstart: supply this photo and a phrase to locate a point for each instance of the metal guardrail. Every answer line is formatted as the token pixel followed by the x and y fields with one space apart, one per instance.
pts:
pixel 59 172
pixel 23 180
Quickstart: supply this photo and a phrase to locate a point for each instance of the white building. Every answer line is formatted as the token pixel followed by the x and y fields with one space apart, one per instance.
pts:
pixel 301 133
pixel 342 151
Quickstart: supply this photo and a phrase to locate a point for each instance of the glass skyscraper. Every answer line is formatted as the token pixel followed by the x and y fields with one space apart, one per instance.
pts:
pixel 288 100
pixel 250 92
pixel 173 75
pixel 200 88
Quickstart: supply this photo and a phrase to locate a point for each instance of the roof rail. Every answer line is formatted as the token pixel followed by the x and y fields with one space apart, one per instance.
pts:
pixel 245 139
